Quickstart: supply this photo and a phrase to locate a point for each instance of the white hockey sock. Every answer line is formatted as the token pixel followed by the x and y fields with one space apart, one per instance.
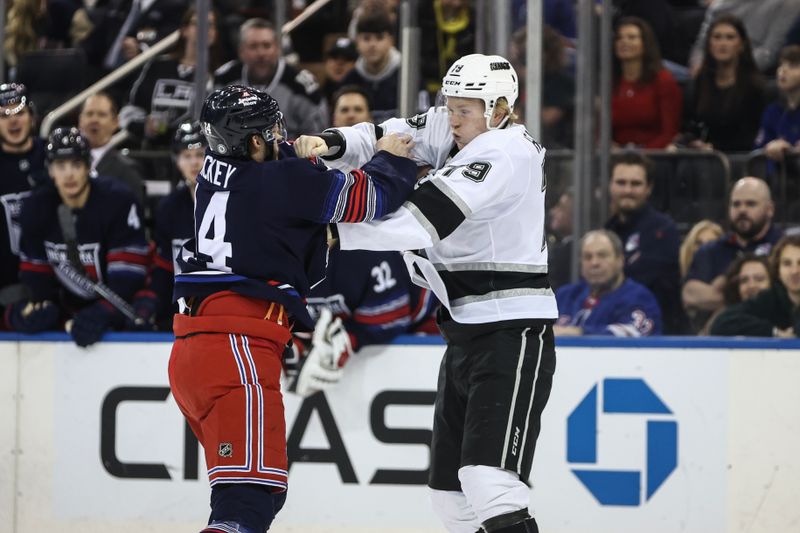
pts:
pixel 493 491
pixel 453 510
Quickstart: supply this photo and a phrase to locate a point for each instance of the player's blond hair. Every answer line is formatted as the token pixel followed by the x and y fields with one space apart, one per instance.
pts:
pixel 502 105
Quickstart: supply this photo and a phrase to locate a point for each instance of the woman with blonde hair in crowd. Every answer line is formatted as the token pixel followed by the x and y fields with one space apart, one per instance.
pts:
pixel 701 233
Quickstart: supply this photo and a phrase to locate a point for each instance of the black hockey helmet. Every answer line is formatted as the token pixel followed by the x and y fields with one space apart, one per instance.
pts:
pixel 188 136
pixel 67 143
pixel 15 97
pixel 233 114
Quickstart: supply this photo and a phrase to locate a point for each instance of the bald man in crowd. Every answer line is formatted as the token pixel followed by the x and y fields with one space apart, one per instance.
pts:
pixel 750 213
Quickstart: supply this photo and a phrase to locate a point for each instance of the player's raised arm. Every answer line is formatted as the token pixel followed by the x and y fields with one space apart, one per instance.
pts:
pixel 320 194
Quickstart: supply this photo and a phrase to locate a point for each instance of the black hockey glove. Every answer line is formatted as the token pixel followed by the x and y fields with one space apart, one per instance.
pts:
pixel 29 317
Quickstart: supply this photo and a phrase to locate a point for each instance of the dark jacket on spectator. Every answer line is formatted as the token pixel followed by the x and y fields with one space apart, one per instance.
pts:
pixel 757 317
pixel 650 243
pixel 713 258
pixel 382 88
pixel 164 88
pixel 728 131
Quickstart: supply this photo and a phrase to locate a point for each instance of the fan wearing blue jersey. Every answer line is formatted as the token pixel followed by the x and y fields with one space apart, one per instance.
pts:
pixel 604 302
pixel 260 243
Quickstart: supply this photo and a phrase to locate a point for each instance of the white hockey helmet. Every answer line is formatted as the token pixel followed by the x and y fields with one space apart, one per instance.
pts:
pixel 484 77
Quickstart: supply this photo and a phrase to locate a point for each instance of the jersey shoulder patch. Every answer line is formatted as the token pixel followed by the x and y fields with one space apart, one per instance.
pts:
pixel 417 121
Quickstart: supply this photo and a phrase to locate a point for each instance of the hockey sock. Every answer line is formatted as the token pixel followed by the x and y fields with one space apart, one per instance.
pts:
pixel 250 505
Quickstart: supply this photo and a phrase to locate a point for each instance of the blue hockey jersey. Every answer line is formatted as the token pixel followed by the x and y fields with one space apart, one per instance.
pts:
pixel 174 226
pixel 370 291
pixel 19 173
pixel 260 228
pixel 110 237
pixel 630 310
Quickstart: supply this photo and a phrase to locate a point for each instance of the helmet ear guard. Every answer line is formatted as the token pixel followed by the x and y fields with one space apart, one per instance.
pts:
pixel 488 78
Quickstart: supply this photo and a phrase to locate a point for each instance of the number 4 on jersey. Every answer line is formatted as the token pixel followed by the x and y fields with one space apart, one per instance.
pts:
pixel 211 240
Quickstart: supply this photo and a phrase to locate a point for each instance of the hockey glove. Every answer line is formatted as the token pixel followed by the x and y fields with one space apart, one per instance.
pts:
pixel 330 349
pixel 145 303
pixel 29 317
pixel 91 322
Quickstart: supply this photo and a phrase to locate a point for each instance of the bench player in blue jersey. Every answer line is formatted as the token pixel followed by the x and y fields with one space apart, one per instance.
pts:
pixel 109 246
pixel 260 244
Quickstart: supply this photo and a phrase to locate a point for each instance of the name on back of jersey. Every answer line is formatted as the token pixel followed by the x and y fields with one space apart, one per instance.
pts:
pixel 217 172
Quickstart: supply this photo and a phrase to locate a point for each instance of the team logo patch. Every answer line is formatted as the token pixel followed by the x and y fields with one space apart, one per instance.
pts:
pixel 417 121
pixel 225 449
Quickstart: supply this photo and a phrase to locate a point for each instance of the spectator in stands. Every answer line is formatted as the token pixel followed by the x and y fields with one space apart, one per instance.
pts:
pixel 726 100
pixel 260 65
pixel 767 22
pixel 174 226
pixel 650 239
pixel 109 246
pixel 558 87
pixel 750 213
pixel 560 237
pixel 605 302
pixel 378 64
pixel 35 25
pixel 21 168
pixel 747 275
pixel 660 16
pixel 365 7
pixel 351 106
pixel 447 30
pixel 339 60
pixel 162 96
pixel 774 312
pixel 98 121
pixel 780 123
pixel 646 103
pixel 701 233
pixel 122 28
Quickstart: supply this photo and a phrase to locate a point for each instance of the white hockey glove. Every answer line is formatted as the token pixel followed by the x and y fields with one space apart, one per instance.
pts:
pixel 330 348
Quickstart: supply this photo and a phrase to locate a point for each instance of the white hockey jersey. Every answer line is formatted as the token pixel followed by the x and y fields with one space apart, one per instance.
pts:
pixel 479 217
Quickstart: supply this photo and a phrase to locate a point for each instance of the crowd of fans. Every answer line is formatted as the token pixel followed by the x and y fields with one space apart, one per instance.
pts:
pixel 736 89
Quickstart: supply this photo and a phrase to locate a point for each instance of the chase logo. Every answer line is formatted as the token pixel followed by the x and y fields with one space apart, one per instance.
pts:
pixel 622 397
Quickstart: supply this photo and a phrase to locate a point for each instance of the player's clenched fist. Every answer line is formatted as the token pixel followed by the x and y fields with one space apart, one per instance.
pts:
pixel 310 145
pixel 396 144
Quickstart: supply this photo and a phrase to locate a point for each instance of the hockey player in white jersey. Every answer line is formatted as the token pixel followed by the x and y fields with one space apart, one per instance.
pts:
pixel 478 218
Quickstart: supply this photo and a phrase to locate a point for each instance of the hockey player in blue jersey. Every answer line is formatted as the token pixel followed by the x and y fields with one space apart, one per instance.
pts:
pixel 605 302
pixel 260 244
pixel 174 225
pixel 21 168
pixel 372 295
pixel 109 246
